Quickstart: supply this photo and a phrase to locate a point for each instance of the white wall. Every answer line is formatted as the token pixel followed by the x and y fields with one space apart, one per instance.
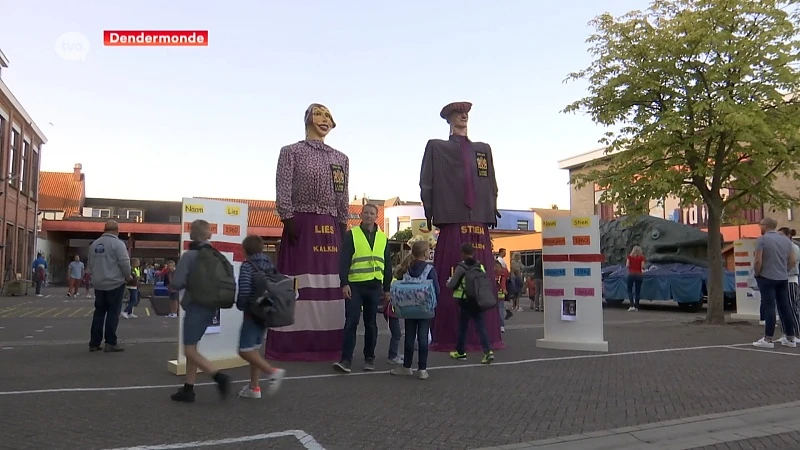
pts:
pixel 393 213
pixel 55 254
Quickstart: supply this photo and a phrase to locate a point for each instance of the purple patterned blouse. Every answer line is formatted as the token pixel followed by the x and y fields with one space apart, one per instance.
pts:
pixel 313 178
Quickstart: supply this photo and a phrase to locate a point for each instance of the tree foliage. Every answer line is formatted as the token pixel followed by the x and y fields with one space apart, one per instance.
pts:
pixel 698 94
pixel 402 235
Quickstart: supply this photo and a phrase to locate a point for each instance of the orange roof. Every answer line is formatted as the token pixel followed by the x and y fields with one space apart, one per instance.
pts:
pixel 262 213
pixel 59 191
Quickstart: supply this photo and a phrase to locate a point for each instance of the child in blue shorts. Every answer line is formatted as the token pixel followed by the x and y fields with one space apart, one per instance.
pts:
pixel 251 337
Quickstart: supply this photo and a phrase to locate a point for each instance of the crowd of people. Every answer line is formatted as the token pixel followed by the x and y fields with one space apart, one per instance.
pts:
pixel 776 273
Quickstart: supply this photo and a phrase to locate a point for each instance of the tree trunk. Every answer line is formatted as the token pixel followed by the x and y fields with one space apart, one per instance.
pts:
pixel 715 313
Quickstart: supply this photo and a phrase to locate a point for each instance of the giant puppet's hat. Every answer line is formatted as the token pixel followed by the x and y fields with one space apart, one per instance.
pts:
pixel 455 107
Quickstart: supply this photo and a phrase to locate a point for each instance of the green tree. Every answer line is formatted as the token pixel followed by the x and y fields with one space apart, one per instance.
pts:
pixel 402 235
pixel 699 95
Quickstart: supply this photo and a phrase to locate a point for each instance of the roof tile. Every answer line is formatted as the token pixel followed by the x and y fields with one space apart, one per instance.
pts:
pixel 59 191
pixel 262 213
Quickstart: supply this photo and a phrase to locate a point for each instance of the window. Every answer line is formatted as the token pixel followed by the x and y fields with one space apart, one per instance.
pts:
pixel 104 213
pixel 23 176
pixel 789 214
pixel 34 193
pixel 522 225
pixel 134 214
pixel 12 157
pixel 385 225
pixel 403 223
pixel 2 131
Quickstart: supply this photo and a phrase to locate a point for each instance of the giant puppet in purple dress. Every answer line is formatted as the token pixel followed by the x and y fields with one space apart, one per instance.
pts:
pixel 313 204
pixel 459 194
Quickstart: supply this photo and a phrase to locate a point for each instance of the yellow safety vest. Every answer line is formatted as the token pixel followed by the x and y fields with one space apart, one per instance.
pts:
pixel 368 263
pixel 459 290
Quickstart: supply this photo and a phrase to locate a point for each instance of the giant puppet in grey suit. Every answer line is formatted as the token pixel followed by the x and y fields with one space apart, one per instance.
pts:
pixel 459 194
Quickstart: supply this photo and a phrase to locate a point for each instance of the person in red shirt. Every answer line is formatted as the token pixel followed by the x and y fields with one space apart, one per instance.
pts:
pixel 635 265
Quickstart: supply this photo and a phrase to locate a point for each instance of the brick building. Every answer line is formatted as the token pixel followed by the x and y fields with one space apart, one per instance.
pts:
pixel 586 200
pixel 21 143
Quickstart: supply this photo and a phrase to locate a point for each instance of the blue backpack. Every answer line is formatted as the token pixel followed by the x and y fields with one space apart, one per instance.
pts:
pixel 414 297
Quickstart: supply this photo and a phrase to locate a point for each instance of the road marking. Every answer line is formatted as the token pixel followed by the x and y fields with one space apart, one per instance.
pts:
pixel 76 312
pixel 8 312
pixel 48 326
pixel 147 310
pixel 28 337
pixel 63 310
pixel 29 312
pixel 8 348
pixel 356 374
pixel 88 313
pixel 306 440
pixel 49 310
pixel 48 296
pixel 764 351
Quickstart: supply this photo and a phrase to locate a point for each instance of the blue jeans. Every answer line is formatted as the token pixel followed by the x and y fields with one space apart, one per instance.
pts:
pixel 417 331
pixel 635 288
pixel 107 306
pixel 465 317
pixel 133 301
pixel 775 293
pixel 251 336
pixel 196 318
pixel 501 305
pixel 366 295
pixel 394 341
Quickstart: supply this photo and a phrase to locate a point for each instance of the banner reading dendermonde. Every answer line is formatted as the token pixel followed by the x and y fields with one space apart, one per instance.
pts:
pixel 573 287
pixel 228 222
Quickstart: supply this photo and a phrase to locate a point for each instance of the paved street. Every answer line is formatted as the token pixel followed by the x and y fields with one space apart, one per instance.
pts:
pixel 660 368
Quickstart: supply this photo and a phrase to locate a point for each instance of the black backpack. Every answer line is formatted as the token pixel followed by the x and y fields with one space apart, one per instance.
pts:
pixel 478 287
pixel 273 299
pixel 211 282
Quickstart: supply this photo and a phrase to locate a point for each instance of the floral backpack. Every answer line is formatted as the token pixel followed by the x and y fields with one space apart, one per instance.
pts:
pixel 414 297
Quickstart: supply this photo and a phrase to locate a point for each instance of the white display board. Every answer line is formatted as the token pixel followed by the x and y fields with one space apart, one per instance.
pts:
pixel 573 286
pixel 748 297
pixel 228 222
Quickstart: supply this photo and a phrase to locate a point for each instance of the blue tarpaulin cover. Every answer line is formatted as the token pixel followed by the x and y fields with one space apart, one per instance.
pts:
pixel 683 283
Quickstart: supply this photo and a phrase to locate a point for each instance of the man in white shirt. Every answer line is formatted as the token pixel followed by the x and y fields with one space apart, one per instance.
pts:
pixel 501 258
pixel 794 274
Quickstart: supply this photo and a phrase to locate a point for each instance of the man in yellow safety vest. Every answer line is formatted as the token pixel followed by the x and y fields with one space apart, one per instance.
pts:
pixel 365 273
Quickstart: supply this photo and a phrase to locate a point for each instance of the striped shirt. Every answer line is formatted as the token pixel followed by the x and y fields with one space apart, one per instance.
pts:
pixel 245 281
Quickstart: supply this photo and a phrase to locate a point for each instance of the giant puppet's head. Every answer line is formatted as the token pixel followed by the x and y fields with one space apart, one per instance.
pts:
pixel 319 122
pixel 457 115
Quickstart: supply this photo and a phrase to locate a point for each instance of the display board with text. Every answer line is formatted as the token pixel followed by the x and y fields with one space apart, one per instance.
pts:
pixel 748 297
pixel 573 286
pixel 228 222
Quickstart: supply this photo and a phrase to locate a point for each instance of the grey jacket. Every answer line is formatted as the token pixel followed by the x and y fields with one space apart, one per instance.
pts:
pixel 180 277
pixel 109 262
pixel 442 183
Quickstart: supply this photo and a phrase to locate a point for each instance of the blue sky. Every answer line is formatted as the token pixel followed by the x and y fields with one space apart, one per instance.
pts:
pixel 164 123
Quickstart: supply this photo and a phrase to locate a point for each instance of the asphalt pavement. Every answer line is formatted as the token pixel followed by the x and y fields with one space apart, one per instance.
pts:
pixel 661 366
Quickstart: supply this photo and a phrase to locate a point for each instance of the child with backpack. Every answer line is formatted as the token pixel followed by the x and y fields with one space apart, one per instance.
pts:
pixel 199 273
pixel 251 336
pixel 473 291
pixel 415 268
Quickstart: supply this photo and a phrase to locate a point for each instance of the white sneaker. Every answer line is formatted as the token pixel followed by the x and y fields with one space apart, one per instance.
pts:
pixel 248 392
pixel 275 381
pixel 401 371
pixel 133 316
pixel 88 296
pixel 172 315
pixel 631 309
pixel 761 322
pixel 396 361
pixel 786 342
pixel 125 315
pixel 502 329
pixel 763 343
pixel 76 295
pixel 422 374
pixel 39 295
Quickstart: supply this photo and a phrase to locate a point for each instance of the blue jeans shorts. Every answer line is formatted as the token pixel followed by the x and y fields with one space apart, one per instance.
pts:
pixel 196 319
pixel 252 335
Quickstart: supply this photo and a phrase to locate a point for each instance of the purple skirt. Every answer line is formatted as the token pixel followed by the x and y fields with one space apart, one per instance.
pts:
pixel 448 254
pixel 313 261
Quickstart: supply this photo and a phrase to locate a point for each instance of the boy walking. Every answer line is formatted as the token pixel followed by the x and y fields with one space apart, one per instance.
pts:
pixel 251 337
pixel 196 319
pixel 470 311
